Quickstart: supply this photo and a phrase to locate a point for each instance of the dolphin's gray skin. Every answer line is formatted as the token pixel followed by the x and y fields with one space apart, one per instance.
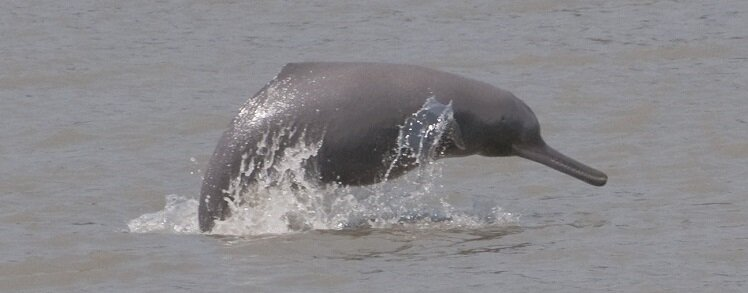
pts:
pixel 356 110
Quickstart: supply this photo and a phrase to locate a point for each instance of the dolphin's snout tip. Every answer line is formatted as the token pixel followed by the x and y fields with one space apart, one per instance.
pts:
pixel 590 175
pixel 601 180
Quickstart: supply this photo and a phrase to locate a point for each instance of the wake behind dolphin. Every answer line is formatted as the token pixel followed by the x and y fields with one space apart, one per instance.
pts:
pixel 350 124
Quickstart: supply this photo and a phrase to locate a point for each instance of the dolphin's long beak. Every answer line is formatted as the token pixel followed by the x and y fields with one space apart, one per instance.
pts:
pixel 548 156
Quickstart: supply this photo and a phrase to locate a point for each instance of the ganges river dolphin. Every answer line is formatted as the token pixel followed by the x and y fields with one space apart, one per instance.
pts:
pixel 366 121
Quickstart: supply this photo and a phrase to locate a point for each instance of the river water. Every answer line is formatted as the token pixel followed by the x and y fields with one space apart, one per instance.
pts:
pixel 109 111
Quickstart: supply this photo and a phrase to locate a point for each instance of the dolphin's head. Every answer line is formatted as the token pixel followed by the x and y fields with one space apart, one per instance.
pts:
pixel 509 127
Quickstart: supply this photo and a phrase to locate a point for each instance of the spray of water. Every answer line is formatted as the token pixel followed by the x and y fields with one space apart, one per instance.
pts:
pixel 284 198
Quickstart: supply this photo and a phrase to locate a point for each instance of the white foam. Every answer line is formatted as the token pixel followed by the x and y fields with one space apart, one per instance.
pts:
pixel 178 216
pixel 388 205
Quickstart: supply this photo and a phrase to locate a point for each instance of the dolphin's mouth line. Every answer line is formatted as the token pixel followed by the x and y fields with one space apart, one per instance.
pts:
pixel 554 159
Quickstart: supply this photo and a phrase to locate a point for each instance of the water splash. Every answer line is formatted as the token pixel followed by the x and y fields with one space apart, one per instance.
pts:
pixel 420 137
pixel 284 198
pixel 179 216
